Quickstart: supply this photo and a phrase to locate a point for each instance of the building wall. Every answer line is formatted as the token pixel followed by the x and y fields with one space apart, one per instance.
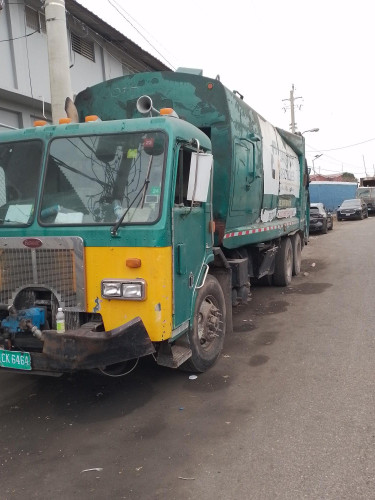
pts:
pixel 331 194
pixel 24 76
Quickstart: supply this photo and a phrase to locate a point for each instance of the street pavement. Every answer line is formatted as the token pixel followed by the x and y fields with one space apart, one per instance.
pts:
pixel 286 413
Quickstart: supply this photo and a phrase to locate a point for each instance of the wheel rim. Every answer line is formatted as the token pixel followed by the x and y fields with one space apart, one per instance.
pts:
pixel 210 324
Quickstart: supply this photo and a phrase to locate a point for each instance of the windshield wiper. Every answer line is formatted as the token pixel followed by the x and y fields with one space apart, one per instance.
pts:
pixel 143 190
pixel 114 229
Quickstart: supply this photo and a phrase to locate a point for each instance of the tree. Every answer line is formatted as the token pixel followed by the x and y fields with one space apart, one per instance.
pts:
pixel 348 177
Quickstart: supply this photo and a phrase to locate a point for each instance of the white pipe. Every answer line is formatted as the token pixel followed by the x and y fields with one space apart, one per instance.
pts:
pixel 58 57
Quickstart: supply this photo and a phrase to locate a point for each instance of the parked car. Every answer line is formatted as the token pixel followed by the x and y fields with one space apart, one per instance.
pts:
pixel 352 209
pixel 321 219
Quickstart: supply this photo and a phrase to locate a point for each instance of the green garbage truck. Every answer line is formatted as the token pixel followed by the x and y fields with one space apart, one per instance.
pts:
pixel 139 221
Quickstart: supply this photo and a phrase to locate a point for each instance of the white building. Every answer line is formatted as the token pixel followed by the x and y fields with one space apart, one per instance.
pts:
pixel 97 51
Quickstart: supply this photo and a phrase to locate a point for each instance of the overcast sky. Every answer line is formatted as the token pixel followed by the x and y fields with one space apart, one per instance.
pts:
pixel 325 48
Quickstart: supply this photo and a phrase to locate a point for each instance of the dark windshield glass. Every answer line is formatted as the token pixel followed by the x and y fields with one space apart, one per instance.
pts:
pixel 351 203
pixel 19 178
pixel 95 179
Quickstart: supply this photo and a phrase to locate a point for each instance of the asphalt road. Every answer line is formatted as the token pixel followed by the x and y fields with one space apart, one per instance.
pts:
pixel 286 413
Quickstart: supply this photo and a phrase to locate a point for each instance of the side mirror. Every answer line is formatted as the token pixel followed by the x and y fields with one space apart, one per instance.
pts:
pixel 199 177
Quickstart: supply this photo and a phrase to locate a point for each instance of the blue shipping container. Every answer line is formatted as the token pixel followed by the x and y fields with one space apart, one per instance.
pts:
pixel 332 194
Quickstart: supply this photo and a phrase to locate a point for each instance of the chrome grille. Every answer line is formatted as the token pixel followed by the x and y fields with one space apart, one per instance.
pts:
pixel 56 265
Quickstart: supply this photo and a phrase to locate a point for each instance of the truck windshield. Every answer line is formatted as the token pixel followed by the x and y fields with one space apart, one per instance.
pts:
pixel 95 179
pixel 366 192
pixel 20 164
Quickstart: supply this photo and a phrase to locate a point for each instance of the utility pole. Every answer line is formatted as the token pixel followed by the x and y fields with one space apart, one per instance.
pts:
pixel 58 57
pixel 292 99
pixel 364 164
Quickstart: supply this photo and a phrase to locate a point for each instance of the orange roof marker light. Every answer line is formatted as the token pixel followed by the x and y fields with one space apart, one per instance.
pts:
pixel 40 123
pixel 64 120
pixel 92 118
pixel 168 112
pixel 210 86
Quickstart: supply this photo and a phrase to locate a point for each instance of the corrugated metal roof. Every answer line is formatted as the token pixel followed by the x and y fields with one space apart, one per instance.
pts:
pixel 113 36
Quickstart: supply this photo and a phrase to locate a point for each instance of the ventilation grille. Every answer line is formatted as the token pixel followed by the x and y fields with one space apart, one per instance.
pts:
pixel 57 269
pixel 83 47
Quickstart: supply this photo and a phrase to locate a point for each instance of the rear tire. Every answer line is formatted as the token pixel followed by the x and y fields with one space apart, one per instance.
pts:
pixel 264 280
pixel 297 257
pixel 331 226
pixel 283 263
pixel 325 227
pixel 206 338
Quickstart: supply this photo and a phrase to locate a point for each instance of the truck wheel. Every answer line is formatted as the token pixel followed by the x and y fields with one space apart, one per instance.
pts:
pixel 283 263
pixel 297 257
pixel 206 338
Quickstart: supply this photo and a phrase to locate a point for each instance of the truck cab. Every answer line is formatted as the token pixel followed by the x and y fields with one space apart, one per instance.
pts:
pixel 96 218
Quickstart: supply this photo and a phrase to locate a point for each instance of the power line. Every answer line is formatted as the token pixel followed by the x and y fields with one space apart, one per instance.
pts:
pixel 140 25
pixel 141 34
pixel 19 37
pixel 332 158
pixel 344 147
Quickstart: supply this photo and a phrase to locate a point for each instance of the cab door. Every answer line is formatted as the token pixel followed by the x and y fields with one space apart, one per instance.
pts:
pixel 191 242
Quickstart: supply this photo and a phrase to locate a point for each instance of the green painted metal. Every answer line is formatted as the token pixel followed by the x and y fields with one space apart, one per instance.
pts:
pixel 234 129
pixel 155 235
pixel 190 235
pixel 227 125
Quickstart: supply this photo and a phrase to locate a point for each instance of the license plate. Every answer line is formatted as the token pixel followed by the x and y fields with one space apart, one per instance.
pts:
pixel 348 215
pixel 15 359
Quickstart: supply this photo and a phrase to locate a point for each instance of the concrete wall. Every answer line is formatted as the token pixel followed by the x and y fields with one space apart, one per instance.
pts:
pixel 24 75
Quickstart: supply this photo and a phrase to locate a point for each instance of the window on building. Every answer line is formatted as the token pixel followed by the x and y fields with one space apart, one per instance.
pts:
pixel 35 20
pixel 9 118
pixel 83 47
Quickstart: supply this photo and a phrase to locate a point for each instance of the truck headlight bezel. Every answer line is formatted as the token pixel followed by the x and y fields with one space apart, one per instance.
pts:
pixel 124 289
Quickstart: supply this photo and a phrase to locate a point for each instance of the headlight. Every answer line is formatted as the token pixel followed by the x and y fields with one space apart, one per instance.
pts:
pixel 132 290
pixel 124 289
pixel 111 289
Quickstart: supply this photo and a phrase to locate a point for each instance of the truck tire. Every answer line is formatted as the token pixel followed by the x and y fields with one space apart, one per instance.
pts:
pixel 283 263
pixel 206 338
pixel 297 254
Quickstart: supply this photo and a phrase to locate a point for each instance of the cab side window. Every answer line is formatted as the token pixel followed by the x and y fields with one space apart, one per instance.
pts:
pixel 182 178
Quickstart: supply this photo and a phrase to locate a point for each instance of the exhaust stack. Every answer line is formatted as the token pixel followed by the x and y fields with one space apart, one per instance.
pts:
pixel 144 106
